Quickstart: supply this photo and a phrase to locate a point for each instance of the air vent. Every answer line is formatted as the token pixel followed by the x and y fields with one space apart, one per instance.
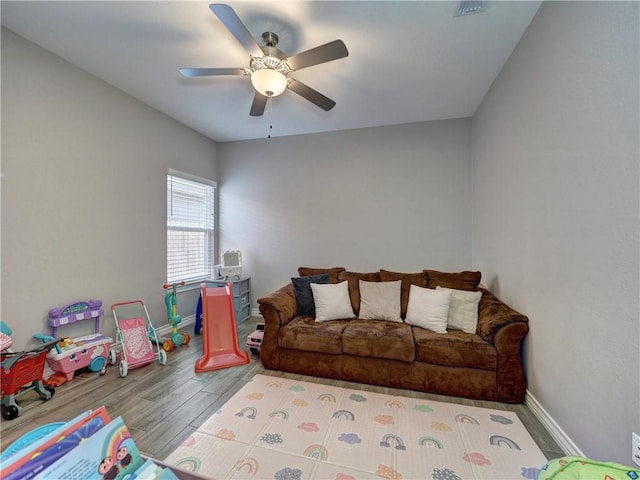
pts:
pixel 467 7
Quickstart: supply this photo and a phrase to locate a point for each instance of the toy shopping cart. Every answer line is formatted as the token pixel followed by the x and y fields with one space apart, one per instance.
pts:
pixel 22 372
pixel 134 334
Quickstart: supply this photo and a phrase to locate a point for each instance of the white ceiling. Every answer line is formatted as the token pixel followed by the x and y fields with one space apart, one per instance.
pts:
pixel 409 61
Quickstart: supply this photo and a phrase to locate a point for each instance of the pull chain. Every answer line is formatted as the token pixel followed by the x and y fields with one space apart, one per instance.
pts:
pixel 270 115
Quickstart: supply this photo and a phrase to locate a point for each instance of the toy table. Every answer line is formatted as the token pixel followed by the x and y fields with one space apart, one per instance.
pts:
pixel 71 354
pixel 74 313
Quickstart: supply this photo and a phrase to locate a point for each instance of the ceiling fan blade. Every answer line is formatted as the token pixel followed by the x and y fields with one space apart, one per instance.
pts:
pixel 258 105
pixel 206 72
pixel 228 16
pixel 312 95
pixel 324 53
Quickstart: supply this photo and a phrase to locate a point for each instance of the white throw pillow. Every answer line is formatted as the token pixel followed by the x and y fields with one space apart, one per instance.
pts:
pixel 428 308
pixel 380 300
pixel 332 301
pixel 463 312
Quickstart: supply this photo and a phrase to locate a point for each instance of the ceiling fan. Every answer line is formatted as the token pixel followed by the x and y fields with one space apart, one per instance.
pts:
pixel 269 67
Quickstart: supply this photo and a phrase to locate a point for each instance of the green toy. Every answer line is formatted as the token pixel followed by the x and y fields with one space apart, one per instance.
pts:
pixel 171 301
pixel 579 468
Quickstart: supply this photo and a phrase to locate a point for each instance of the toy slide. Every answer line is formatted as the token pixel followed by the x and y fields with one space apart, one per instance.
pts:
pixel 220 334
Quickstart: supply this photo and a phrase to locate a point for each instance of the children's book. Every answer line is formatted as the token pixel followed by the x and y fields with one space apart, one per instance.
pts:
pixel 108 454
pixel 42 453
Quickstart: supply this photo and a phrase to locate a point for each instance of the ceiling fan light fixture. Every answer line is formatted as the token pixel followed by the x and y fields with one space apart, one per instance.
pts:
pixel 269 82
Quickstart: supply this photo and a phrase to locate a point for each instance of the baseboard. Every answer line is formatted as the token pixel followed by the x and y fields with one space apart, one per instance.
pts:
pixel 559 435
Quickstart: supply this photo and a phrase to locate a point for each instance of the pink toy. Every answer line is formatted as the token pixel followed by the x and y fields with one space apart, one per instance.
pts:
pixel 5 341
pixel 220 336
pixel 91 351
pixel 72 354
pixel 254 339
pixel 134 334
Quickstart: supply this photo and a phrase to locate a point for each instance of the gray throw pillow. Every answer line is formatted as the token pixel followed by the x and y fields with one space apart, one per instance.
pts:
pixel 304 295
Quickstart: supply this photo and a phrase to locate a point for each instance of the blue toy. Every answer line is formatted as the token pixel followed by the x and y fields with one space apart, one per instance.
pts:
pixel 171 302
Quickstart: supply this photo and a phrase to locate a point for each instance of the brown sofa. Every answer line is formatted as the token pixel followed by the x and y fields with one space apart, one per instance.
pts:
pixel 486 365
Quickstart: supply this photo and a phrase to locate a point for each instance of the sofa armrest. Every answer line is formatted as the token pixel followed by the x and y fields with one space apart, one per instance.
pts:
pixel 280 306
pixel 493 314
pixel 510 378
pixel 277 309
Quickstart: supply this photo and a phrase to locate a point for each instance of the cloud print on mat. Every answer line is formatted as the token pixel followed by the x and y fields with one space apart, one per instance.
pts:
pixel 271 438
pixel 387 472
pixel 357 397
pixel 226 434
pixel 309 427
pixel 476 458
pixel 383 419
pixel 530 473
pixel 344 476
pixel 443 427
pixel 255 396
pixel 500 419
pixel 444 474
pixel 349 438
pixel 423 408
pixel 288 474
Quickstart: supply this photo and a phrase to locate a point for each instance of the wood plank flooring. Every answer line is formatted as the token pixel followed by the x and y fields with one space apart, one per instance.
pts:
pixel 163 405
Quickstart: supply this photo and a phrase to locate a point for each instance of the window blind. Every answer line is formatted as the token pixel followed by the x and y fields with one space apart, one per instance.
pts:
pixel 190 229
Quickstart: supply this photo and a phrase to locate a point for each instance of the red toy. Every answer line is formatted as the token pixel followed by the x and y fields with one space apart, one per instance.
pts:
pixel 22 372
pixel 220 334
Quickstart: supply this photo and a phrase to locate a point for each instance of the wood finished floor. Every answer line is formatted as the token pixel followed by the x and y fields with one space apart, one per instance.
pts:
pixel 163 405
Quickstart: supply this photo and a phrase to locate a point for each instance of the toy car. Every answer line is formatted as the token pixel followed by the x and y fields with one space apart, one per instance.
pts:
pixel 254 339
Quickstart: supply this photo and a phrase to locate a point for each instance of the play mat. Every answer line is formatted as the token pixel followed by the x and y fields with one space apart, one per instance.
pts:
pixel 289 430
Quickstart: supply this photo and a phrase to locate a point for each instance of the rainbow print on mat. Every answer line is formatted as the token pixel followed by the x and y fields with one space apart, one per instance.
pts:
pixel 280 414
pixel 499 441
pixel 317 452
pixel 249 412
pixel 344 414
pixel 248 464
pixel 191 464
pixel 462 418
pixel 428 441
pixel 327 397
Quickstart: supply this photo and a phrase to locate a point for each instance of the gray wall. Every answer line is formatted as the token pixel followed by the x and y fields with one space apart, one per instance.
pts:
pixel 83 190
pixel 394 197
pixel 556 218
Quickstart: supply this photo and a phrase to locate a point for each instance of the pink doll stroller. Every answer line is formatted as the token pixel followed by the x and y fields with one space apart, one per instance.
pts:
pixel 134 333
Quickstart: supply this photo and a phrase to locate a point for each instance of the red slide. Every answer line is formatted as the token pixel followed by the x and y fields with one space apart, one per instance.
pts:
pixel 220 334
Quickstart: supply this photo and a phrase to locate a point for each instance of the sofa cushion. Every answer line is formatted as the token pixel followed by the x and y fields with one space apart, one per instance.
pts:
pixel 304 295
pixel 354 285
pixel 461 280
pixel 333 272
pixel 379 339
pixel 457 349
pixel 463 311
pixel 304 333
pixel 332 301
pixel 408 279
pixel 428 308
pixel 380 300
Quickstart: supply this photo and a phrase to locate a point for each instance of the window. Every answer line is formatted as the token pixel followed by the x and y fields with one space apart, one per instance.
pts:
pixel 190 228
